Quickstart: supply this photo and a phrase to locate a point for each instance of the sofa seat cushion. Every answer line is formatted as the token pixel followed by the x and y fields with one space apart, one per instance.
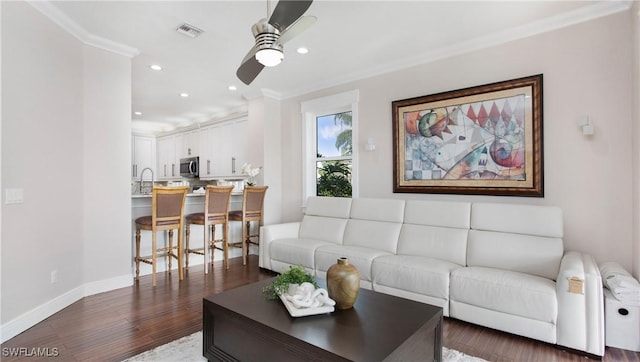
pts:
pixel 296 251
pixel 415 274
pixel 360 257
pixel 509 292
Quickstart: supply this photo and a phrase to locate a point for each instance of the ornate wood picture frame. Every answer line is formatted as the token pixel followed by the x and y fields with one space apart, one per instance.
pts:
pixel 483 140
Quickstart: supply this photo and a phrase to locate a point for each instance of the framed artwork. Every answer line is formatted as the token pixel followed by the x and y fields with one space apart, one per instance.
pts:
pixel 484 140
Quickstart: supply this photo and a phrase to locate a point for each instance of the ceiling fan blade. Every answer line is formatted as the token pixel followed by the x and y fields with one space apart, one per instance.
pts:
pixel 250 67
pixel 297 28
pixel 287 12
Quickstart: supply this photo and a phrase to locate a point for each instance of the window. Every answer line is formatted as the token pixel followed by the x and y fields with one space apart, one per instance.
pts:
pixel 334 151
pixel 330 136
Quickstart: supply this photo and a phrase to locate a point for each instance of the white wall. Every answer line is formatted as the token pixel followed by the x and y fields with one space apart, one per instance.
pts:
pixel 42 154
pixel 106 159
pixel 66 143
pixel 264 150
pixel 635 16
pixel 587 71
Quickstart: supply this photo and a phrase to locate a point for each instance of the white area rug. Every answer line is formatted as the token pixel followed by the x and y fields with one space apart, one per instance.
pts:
pixel 189 349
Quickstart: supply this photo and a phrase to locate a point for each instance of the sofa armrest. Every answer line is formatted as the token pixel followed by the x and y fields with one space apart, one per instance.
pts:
pixel 269 233
pixel 580 304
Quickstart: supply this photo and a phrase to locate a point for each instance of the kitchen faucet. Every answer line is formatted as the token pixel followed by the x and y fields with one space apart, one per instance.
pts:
pixel 152 180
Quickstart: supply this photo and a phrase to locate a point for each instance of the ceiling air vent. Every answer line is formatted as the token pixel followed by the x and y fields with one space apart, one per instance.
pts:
pixel 189 30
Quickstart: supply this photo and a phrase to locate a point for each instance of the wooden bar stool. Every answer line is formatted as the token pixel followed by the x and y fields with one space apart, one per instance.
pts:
pixel 252 207
pixel 167 213
pixel 216 209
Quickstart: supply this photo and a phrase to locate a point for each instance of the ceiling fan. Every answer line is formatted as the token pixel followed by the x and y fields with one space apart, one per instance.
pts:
pixel 285 23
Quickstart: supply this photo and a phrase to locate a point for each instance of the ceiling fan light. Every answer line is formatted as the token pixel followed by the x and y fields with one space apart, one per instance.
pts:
pixel 269 57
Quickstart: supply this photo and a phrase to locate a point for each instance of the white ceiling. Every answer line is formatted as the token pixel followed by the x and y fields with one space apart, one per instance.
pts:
pixel 350 40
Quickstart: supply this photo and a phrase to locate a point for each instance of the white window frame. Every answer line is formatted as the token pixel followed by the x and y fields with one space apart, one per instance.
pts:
pixel 333 104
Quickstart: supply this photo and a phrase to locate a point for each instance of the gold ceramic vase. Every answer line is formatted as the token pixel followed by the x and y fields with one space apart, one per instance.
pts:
pixel 343 283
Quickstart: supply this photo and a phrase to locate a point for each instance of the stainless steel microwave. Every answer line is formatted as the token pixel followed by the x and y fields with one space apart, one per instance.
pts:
pixel 189 167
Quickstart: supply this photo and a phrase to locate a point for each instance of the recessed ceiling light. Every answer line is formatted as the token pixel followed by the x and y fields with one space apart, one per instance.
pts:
pixel 138 113
pixel 232 87
pixel 302 50
pixel 184 95
pixel 155 67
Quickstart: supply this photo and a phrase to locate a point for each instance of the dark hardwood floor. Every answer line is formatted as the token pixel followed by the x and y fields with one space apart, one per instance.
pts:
pixel 119 324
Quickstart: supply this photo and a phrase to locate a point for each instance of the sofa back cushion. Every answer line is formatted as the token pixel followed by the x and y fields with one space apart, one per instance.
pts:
pixel 388 210
pixel 339 207
pixel 323 228
pixel 519 219
pixel 325 219
pixel 436 229
pixel 442 243
pixel 522 238
pixel 375 223
pixel 438 213
pixel 516 252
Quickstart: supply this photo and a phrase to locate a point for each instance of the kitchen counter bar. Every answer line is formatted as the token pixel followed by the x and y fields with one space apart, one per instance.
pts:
pixel 142 196
pixel 141 206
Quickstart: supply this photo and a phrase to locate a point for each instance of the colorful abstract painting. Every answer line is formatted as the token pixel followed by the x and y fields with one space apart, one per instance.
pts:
pixel 484 140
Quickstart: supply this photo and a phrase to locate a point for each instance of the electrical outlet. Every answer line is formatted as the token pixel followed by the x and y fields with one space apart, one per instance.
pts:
pixel 54 276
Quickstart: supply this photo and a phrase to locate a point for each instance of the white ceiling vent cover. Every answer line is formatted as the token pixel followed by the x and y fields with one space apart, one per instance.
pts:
pixel 189 30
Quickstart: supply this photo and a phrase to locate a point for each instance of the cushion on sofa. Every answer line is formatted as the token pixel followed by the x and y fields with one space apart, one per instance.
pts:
pixel 509 292
pixel 415 274
pixel 519 219
pixel 442 243
pixel 328 206
pixel 372 234
pixel 497 319
pixel 295 251
pixel 322 228
pixel 438 213
pixel 360 257
pixel 516 252
pixel 388 210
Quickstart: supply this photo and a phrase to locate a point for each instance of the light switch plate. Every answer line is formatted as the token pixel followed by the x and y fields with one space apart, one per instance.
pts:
pixel 13 196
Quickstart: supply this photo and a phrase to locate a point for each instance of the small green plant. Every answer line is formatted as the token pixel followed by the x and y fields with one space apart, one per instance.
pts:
pixel 334 179
pixel 295 275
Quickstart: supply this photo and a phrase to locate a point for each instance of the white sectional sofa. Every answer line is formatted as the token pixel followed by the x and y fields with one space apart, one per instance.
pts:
pixel 501 266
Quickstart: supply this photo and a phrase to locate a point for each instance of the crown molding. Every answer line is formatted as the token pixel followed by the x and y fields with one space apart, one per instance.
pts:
pixel 252 94
pixel 54 14
pixel 552 23
pixel 159 129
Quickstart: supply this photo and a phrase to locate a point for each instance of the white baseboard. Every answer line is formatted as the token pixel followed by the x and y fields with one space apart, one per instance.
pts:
pixel 106 285
pixel 44 311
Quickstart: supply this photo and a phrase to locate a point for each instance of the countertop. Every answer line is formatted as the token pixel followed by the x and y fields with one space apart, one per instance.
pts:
pixel 142 196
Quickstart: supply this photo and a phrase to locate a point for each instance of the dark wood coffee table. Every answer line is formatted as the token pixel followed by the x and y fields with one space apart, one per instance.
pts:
pixel 241 324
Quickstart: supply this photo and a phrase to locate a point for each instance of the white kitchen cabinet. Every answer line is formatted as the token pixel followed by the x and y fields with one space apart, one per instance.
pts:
pixel 143 155
pixel 214 151
pixel 206 152
pixel 171 149
pixel 239 144
pixel 223 150
pixel 187 144
pixel 168 167
pixel 224 163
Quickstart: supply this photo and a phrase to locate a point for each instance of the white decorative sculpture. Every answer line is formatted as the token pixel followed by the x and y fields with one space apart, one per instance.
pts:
pixel 306 295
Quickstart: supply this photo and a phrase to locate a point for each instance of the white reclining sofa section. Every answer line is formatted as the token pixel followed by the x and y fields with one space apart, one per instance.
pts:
pixel 502 266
